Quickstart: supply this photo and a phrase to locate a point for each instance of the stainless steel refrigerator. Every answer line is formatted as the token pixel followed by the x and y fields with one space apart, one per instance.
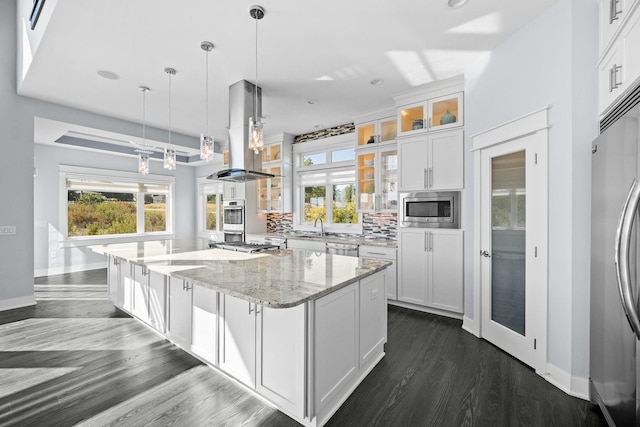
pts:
pixel 614 377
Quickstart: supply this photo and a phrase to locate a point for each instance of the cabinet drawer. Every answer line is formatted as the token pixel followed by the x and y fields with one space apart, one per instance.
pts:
pixel 377 252
pixel 611 76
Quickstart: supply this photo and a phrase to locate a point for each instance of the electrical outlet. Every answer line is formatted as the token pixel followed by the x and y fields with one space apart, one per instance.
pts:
pixel 374 294
pixel 7 230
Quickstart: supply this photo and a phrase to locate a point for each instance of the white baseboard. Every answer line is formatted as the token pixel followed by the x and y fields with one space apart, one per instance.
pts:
pixel 429 310
pixel 9 304
pixel 469 325
pixel 573 386
pixel 69 269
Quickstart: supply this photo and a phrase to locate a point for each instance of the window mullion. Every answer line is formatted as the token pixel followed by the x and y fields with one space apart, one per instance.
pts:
pixel 140 212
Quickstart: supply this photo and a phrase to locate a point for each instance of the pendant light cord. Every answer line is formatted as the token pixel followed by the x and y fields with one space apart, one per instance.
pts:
pixel 206 80
pixel 144 115
pixel 170 74
pixel 255 104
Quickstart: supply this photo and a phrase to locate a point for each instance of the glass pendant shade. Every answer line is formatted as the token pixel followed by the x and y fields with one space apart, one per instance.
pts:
pixel 143 163
pixel 256 138
pixel 169 158
pixel 206 147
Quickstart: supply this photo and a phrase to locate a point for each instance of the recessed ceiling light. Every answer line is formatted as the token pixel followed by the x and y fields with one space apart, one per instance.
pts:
pixel 312 101
pixel 376 82
pixel 455 3
pixel 109 75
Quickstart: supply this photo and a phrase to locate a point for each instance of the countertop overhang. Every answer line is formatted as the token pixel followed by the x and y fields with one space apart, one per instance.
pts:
pixel 277 279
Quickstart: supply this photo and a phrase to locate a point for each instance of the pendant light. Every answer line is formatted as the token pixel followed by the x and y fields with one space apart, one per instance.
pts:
pixel 206 141
pixel 170 152
pixel 256 138
pixel 143 153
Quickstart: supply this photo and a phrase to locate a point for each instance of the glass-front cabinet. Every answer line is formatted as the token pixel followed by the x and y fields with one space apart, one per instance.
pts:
pixel 435 114
pixel 377 131
pixel 275 194
pixel 377 175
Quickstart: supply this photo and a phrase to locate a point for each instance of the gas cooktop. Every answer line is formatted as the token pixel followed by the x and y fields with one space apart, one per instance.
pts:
pixel 243 246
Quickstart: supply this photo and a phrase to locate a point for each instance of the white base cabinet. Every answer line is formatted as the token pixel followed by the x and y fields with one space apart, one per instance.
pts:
pixel 431 268
pixel 391 273
pixel 306 359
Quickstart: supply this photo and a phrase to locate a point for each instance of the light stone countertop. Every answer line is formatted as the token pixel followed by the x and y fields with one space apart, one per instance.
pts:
pixel 332 238
pixel 277 279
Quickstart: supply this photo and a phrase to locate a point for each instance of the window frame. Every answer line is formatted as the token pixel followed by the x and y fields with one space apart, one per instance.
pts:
pixel 77 172
pixel 326 145
pixel 207 187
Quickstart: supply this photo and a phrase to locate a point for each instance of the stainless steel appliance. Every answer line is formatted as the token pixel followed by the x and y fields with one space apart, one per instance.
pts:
pixel 233 220
pixel 431 209
pixel 347 249
pixel 614 378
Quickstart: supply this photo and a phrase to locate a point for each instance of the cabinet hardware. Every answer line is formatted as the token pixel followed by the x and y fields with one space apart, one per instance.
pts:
pixel 430 177
pixel 426 178
pixel 376 253
pixel 485 254
pixel 430 241
pixel 250 309
pixel 426 244
pixel 613 10
pixel 613 77
pixel 430 125
pixel 257 309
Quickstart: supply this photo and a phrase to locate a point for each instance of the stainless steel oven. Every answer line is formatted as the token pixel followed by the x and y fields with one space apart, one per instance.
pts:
pixel 233 220
pixel 431 209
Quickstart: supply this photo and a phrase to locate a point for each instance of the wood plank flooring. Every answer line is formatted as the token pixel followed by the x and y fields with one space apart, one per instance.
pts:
pixel 74 359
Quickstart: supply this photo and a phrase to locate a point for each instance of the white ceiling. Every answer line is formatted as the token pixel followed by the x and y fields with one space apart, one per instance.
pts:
pixel 327 50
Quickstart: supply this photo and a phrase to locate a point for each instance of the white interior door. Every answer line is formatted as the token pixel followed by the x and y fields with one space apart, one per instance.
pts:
pixel 513 247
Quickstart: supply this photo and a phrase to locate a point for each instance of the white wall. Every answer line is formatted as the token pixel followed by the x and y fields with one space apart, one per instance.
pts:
pixel 551 61
pixel 46 200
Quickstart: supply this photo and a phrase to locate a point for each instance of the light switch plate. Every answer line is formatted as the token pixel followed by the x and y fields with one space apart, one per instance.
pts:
pixel 7 230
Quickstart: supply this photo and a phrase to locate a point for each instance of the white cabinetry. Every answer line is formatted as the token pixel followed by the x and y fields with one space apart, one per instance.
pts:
pixel 275 195
pixel 204 323
pixel 238 339
pixel 125 297
pixel 377 131
pixel 233 190
pixel 377 177
pixel 179 322
pixel 140 285
pixel 307 245
pixel 430 268
pixel 113 276
pixel 336 344
pixel 437 113
pixel 619 65
pixel 432 161
pixel 373 317
pixel 386 254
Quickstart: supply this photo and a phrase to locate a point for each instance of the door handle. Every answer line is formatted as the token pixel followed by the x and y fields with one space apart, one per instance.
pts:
pixel 613 10
pixel 623 243
pixel 485 254
pixel 426 178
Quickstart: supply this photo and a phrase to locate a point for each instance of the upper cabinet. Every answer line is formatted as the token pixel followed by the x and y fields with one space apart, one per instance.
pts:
pixel 377 172
pixel 376 131
pixel 438 113
pixel 275 194
pixel 619 64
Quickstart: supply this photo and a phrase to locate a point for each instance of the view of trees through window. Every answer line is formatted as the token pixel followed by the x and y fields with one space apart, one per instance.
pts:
pixel 342 202
pixel 212 211
pixel 91 213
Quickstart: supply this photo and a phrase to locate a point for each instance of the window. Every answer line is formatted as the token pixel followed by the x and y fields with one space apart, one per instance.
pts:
pixel 325 183
pixel 209 207
pixel 110 204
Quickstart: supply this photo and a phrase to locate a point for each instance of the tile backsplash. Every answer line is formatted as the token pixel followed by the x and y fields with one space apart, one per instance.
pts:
pixel 374 225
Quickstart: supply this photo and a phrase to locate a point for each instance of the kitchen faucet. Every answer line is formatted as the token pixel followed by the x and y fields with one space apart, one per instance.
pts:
pixel 321 225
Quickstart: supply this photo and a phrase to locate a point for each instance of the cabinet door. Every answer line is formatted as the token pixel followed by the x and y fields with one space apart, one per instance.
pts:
pixel 446 160
pixel 611 76
pixel 445 112
pixel 373 317
pixel 280 362
pixel 307 245
pixel 204 323
pixel 157 300
pixel 366 133
pixel 631 42
pixel 445 270
pixel 238 339
pixel 391 274
pixel 612 12
pixel 336 345
pixel 126 278
pixel 412 260
pixel 388 129
pixel 113 277
pixel 366 171
pixel 140 283
pixel 233 190
pixel 413 153
pixel 388 181
pixel 179 325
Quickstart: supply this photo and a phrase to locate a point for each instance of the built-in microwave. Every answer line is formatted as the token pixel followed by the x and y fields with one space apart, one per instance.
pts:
pixel 431 209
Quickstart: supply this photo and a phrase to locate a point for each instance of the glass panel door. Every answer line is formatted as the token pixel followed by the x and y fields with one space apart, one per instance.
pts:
pixel 276 189
pixel 508 227
pixel 389 179
pixel 366 181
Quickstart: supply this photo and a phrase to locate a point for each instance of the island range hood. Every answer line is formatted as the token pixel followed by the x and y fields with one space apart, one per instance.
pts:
pixel 244 164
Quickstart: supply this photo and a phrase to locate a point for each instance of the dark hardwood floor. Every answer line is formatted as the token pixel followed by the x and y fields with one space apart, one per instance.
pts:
pixel 74 359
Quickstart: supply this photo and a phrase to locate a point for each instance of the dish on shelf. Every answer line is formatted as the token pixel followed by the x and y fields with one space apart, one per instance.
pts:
pixel 368 162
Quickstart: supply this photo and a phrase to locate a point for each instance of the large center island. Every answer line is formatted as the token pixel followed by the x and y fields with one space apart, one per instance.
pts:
pixel 299 328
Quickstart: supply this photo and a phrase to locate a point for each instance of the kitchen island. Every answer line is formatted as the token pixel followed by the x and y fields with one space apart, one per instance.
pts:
pixel 299 328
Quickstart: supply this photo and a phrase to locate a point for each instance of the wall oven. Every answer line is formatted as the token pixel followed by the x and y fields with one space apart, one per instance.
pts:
pixel 431 209
pixel 233 220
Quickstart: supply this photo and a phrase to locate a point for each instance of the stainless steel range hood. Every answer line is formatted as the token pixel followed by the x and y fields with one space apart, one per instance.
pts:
pixel 244 164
